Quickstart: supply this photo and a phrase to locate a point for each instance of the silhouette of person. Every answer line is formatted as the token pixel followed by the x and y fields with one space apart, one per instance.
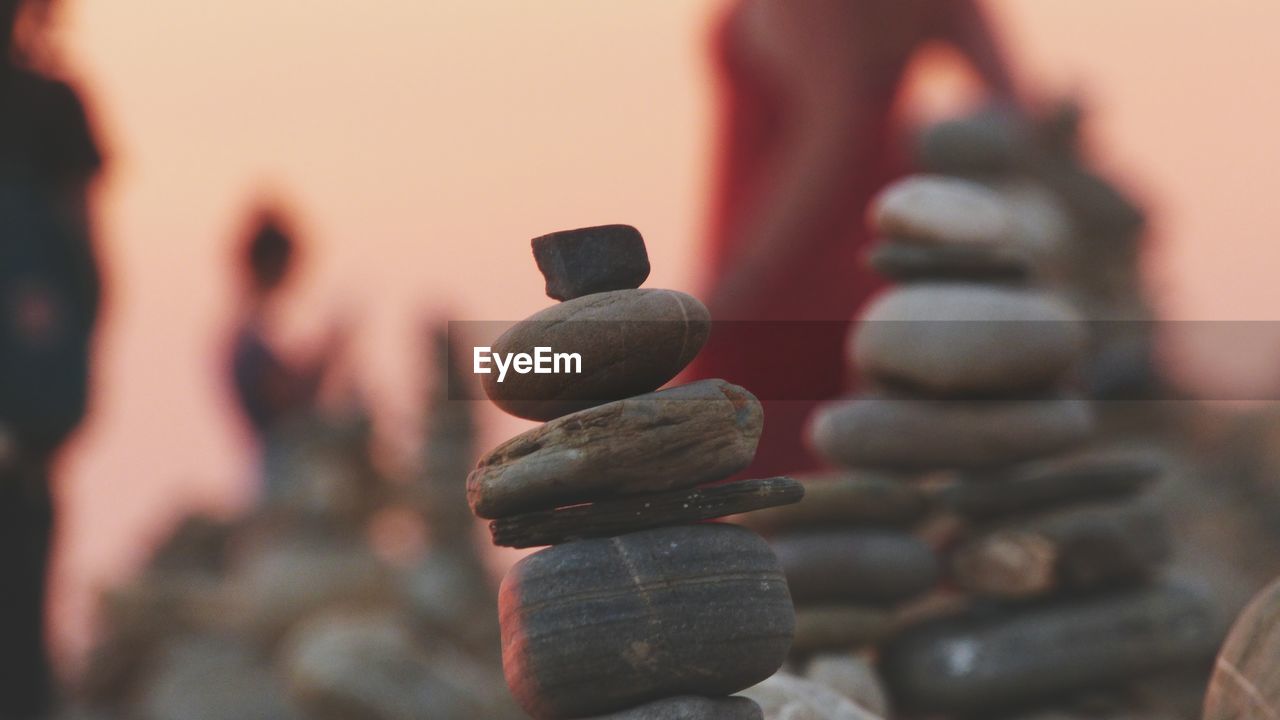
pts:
pixel 49 298
pixel 808 137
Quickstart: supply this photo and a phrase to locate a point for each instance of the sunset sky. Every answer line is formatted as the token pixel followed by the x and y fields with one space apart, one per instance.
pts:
pixel 421 144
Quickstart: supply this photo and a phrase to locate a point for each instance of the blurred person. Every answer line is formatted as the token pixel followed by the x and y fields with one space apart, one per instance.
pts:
pixel 49 300
pixel 809 136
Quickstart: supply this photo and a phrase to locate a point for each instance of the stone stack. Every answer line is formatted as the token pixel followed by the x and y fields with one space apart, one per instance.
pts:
pixel 966 371
pixel 639 610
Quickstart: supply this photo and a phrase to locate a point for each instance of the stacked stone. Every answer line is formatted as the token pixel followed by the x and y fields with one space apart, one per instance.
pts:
pixel 966 368
pixel 638 610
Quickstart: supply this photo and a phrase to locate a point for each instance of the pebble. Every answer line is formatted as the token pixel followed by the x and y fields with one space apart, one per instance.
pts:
pixel 921 435
pixel 840 627
pixel 990 142
pixel 978 665
pixel 935 209
pixel 180 686
pixel 630 342
pixel 591 260
pixel 787 697
pixel 640 512
pixel 1245 683
pixel 911 262
pixel 842 499
pixel 853 676
pixel 691 708
pixel 674 438
pixel 855 566
pixel 597 626
pixel 948 340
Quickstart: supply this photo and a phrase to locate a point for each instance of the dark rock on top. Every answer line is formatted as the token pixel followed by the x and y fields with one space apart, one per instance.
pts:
pixel 591 260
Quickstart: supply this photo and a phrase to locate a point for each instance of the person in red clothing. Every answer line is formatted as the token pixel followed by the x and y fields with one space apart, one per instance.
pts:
pixel 809 88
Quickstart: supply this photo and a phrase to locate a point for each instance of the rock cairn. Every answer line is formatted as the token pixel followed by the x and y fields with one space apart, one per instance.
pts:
pixel 1053 547
pixel 638 610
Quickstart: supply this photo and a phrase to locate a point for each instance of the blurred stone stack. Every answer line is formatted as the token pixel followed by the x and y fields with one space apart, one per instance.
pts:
pixel 1052 544
pixel 639 610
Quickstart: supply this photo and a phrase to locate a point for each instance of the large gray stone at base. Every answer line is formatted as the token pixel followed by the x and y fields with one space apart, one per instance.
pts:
pixel 690 708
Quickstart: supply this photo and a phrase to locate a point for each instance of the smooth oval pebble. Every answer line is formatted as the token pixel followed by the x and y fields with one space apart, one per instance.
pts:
pixel 921 435
pixel 978 665
pixel 912 262
pixel 597 626
pixel 691 708
pixel 630 342
pixel 674 438
pixel 855 566
pixel 949 340
pixel 937 209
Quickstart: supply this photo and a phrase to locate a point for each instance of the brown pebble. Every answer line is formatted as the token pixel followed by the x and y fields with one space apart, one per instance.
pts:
pixel 855 566
pixel 591 260
pixel 674 438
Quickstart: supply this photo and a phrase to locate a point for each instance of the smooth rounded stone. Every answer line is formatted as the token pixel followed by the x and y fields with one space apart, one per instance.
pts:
pixel 911 262
pixel 854 677
pixel 641 512
pixel 1052 483
pixel 1245 684
pixel 690 708
pixel 840 627
pixel 855 566
pixel 990 142
pixel 937 209
pixel 679 437
pixel 591 260
pixel 1075 549
pixel 787 697
pixel 977 665
pixel 948 340
pixel 843 499
pixel 210 677
pixel 914 435
pixel 630 342
pixel 597 626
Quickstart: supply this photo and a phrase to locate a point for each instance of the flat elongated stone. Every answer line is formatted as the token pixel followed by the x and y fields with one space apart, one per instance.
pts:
pixel 855 566
pixel 937 209
pixel 921 435
pixel 978 665
pixel 1078 548
pixel 949 340
pixel 591 260
pixel 910 262
pixel 640 512
pixel 1046 484
pixel 680 437
pixel 1245 684
pixel 843 499
pixel 840 627
pixel 691 708
pixel 597 626
pixel 630 342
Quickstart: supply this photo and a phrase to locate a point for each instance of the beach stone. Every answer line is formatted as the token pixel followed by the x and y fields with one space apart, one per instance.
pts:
pixel 912 262
pixel 630 342
pixel 936 209
pixel 691 708
pixel 1245 684
pixel 977 665
pixel 1053 483
pixel 597 626
pixel 787 697
pixel 674 438
pixel 854 677
pixel 591 260
pixel 840 627
pixel 990 142
pixel 855 566
pixel 641 512
pixel 842 499
pixel 948 340
pixel 916 435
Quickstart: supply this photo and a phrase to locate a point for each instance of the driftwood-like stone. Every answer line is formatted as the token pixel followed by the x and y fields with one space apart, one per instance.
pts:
pixel 1245 684
pixel 1045 484
pixel 978 665
pixel 629 342
pixel 680 437
pixel 641 512
pixel 591 260
pixel 1079 548
pixel 918 435
pixel 855 566
pixel 840 627
pixel 911 262
pixel 691 708
pixel 597 626
pixel 842 499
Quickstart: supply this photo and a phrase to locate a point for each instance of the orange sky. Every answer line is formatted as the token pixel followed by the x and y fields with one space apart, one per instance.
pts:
pixel 423 143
